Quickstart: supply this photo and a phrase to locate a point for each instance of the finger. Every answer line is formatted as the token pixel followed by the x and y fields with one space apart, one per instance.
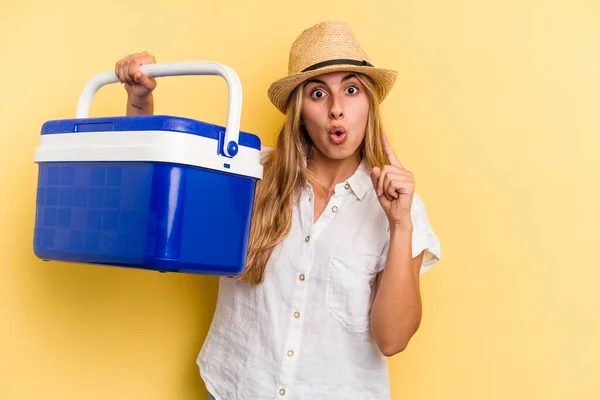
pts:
pixel 127 70
pixel 403 182
pixel 401 175
pixel 385 172
pixel 122 72
pixel 389 152
pixel 391 189
pixel 144 80
pixel 394 183
pixel 122 68
pixel 136 63
pixel 118 70
pixel 387 181
pixel 381 181
pixel 138 76
pixel 375 175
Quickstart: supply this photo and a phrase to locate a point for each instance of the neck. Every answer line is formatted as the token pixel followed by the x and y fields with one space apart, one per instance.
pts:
pixel 330 172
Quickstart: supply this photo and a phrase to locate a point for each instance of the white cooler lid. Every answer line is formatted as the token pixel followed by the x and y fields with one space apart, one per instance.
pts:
pixel 148 138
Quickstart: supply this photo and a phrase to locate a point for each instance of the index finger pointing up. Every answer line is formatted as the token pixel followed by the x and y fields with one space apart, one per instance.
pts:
pixel 389 152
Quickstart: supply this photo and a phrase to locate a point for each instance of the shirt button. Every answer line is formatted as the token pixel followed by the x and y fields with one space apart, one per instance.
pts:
pixel 296 314
pixel 334 209
pixel 282 391
pixel 347 186
pixel 290 353
pixel 306 239
pixel 302 277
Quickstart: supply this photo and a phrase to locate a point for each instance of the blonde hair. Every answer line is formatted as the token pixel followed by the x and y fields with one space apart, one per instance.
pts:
pixel 285 174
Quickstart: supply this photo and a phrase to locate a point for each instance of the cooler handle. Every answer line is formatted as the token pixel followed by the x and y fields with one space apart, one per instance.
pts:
pixel 234 111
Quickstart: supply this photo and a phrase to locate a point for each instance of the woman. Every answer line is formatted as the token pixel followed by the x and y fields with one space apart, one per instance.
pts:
pixel 338 237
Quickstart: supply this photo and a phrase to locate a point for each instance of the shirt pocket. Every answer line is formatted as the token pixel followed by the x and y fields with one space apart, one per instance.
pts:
pixel 349 293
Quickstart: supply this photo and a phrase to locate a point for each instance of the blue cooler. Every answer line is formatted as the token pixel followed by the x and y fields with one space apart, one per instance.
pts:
pixel 156 192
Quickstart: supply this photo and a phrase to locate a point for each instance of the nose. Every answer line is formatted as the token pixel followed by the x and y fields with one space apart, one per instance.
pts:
pixel 336 109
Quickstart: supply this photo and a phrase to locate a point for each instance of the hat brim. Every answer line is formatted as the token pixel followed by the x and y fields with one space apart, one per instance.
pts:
pixel 280 90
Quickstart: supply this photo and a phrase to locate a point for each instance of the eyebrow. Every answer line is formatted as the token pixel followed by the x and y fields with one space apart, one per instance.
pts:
pixel 318 81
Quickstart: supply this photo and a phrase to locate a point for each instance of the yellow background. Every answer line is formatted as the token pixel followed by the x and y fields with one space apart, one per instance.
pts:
pixel 496 111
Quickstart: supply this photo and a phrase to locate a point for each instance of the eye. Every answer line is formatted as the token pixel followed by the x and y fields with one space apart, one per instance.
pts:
pixel 317 94
pixel 352 90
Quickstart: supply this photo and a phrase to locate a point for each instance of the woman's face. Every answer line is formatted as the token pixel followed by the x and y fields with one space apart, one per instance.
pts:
pixel 335 109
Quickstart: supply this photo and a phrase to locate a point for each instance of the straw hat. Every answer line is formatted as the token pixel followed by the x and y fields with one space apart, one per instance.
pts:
pixel 323 48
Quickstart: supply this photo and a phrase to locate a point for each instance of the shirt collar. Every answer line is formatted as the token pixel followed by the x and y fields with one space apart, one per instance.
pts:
pixel 360 182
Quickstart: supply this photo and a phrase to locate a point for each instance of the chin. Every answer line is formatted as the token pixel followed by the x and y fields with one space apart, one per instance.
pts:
pixel 340 154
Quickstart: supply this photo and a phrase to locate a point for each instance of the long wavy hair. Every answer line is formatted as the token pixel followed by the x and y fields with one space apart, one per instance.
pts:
pixel 285 173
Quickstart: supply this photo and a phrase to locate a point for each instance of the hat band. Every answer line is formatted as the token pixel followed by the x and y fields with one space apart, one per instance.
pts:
pixel 340 61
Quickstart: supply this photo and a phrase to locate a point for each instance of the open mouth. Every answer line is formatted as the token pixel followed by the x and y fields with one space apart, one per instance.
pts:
pixel 337 134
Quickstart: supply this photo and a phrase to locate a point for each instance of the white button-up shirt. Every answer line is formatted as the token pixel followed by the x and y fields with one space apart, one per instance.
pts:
pixel 304 332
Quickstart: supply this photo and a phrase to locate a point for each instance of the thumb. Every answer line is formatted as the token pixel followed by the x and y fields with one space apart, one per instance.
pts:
pixel 139 77
pixel 142 79
pixel 375 174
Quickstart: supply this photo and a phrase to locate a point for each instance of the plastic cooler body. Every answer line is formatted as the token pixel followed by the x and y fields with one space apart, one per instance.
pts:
pixel 164 216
